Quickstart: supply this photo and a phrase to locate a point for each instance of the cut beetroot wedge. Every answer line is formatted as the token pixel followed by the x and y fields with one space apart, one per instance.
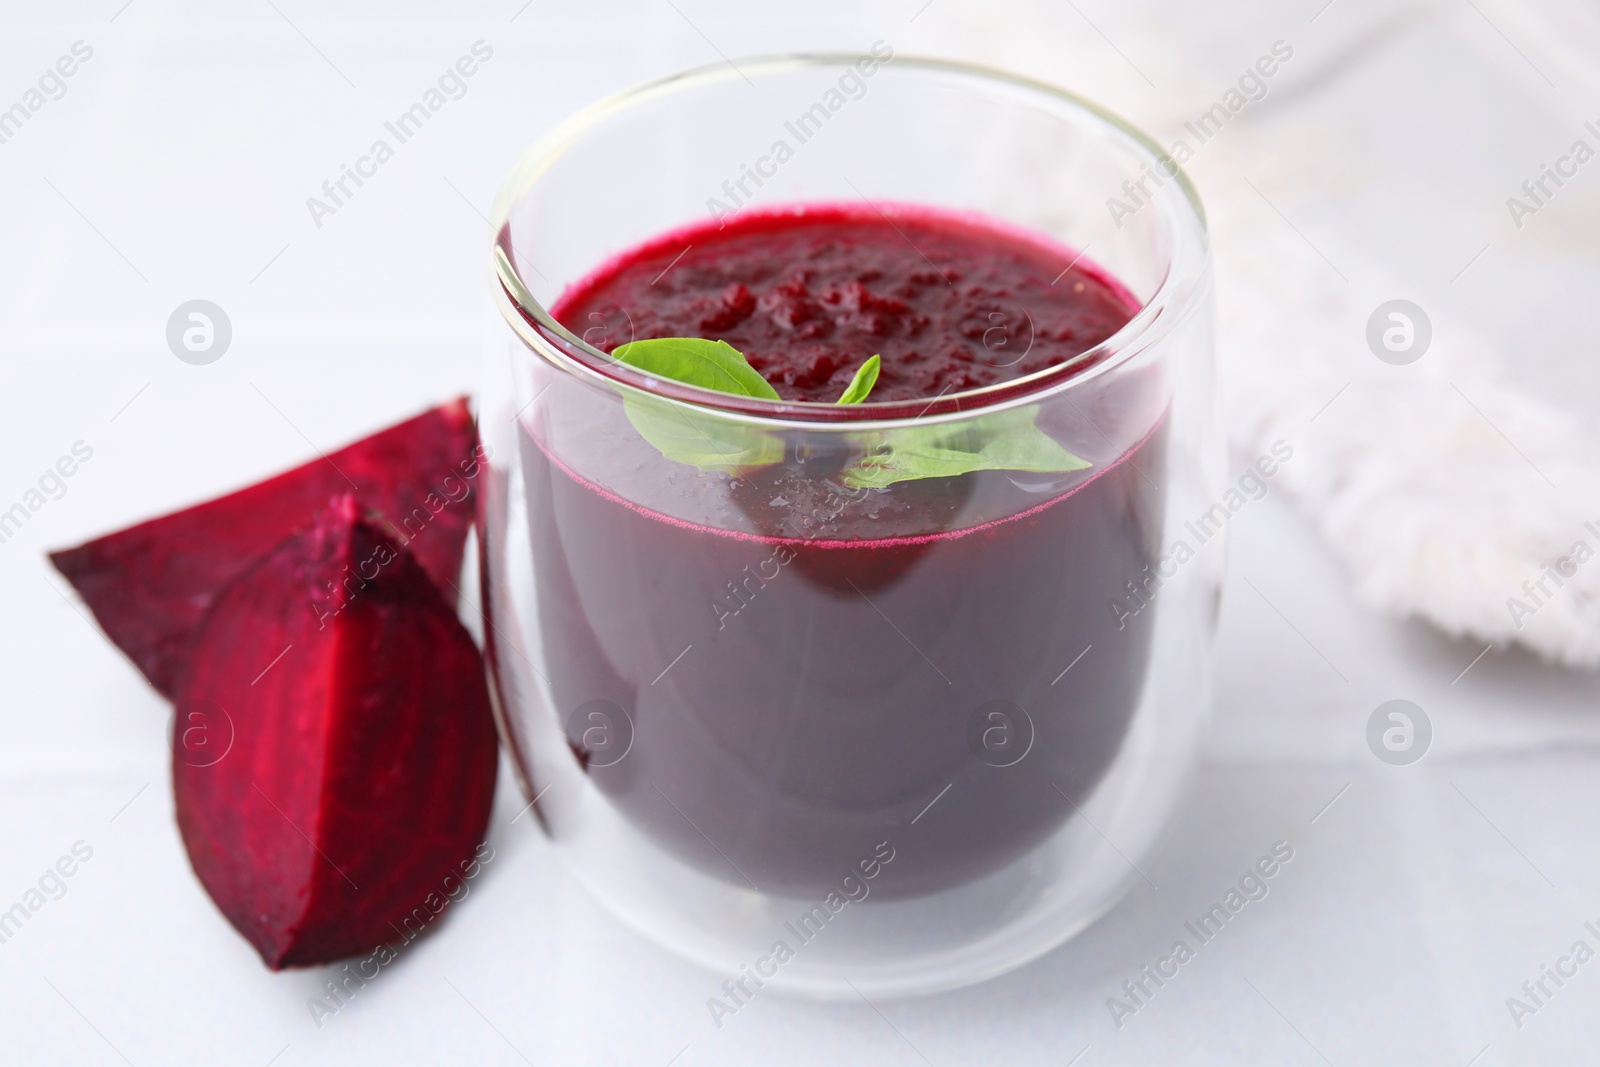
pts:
pixel 334 754
pixel 149 585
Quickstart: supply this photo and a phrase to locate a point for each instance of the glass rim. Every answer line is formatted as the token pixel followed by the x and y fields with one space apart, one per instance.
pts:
pixel 1177 295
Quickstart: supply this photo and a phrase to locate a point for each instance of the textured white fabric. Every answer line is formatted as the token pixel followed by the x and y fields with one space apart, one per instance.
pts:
pixel 1442 488
pixel 1447 494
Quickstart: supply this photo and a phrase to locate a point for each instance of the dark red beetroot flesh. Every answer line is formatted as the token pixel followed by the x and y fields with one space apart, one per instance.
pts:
pixel 149 585
pixel 345 761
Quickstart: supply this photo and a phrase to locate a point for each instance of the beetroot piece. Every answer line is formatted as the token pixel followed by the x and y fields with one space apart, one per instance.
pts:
pixel 361 756
pixel 149 585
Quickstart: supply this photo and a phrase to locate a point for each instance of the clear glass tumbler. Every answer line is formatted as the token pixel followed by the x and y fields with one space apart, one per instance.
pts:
pixel 829 763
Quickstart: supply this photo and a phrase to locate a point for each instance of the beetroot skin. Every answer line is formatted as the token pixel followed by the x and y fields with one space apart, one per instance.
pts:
pixel 149 585
pixel 362 760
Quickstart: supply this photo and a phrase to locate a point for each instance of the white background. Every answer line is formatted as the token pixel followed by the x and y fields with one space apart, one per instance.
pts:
pixel 177 166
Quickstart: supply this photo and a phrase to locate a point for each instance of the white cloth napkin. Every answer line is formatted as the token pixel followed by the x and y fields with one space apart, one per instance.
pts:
pixel 1448 494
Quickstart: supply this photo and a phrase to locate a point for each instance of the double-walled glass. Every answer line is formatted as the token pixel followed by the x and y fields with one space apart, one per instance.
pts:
pixel 903 761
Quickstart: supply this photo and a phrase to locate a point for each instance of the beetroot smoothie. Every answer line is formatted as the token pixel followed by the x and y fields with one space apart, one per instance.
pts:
pixel 801 669
pixel 950 304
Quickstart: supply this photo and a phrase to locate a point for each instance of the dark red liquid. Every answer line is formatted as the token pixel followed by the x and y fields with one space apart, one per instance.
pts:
pixel 949 305
pixel 799 672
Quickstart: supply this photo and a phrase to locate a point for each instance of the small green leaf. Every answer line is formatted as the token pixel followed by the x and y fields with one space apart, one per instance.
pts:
pixel 696 361
pixel 862 383
pixel 1007 441
pixel 706 441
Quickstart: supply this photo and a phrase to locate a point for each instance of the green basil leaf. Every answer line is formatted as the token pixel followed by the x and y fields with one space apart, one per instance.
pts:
pixel 696 361
pixel 705 441
pixel 1006 441
pixel 862 383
